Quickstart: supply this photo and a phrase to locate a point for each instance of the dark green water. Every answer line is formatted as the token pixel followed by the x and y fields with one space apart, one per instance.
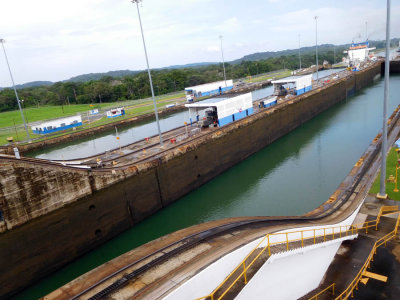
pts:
pixel 290 177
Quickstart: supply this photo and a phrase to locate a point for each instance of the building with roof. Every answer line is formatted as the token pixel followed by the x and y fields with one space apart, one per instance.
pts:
pixel 226 110
pixel 295 85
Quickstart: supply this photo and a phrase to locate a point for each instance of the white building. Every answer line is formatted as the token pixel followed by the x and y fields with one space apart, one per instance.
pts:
pixel 57 125
pixel 297 84
pixel 115 112
pixel 208 89
pixel 228 109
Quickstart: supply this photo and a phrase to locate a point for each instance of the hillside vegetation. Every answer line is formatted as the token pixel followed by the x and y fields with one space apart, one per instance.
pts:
pixel 124 85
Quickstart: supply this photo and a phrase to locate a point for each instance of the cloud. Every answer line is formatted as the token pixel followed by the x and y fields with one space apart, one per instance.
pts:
pixel 54 40
pixel 213 49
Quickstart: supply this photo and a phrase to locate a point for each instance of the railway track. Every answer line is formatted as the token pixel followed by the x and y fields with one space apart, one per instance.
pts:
pixel 163 254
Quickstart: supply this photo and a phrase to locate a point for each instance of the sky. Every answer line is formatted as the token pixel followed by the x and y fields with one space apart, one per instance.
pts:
pixel 55 40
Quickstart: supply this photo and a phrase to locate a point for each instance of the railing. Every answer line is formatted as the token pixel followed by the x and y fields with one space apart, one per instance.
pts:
pixel 354 284
pixel 285 238
pixel 349 291
pixel 323 291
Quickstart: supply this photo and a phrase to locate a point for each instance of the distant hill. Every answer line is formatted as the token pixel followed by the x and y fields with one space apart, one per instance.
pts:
pixel 250 57
pixel 194 65
pixel 288 52
pixel 31 84
pixel 123 73
pixel 97 76
pixel 324 47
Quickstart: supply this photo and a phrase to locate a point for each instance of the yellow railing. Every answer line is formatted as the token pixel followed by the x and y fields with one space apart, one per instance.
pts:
pixel 332 286
pixel 285 238
pixel 354 284
pixel 349 291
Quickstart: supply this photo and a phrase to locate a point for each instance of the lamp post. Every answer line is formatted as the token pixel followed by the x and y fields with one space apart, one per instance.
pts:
pixel 396 190
pixel 299 55
pixel 2 41
pixel 316 43
pixel 148 71
pixel 382 188
pixel 223 60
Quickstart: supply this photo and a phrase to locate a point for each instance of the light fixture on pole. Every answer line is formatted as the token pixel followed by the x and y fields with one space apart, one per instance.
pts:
pixel 316 43
pixel 382 188
pixel 223 60
pixel 2 41
pixel 148 71
pixel 299 55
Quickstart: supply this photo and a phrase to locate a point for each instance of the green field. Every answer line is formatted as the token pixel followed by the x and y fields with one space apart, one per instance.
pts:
pixel 390 170
pixel 43 113
pixel 132 108
pixel 275 75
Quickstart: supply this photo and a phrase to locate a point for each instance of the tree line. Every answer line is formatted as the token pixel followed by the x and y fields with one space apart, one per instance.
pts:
pixel 112 89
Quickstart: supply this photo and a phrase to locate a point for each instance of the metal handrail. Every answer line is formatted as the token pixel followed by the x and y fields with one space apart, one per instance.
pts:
pixel 323 291
pixel 349 291
pixel 327 233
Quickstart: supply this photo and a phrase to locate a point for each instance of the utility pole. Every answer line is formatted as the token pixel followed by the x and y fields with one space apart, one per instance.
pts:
pixel 2 41
pixel 223 60
pixel 316 43
pixel 148 71
pixel 334 54
pixel 299 55
pixel 382 188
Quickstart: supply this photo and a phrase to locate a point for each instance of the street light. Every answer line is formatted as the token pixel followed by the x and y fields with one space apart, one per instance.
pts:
pixel 148 71
pixel 223 60
pixel 2 41
pixel 299 55
pixel 382 189
pixel 316 42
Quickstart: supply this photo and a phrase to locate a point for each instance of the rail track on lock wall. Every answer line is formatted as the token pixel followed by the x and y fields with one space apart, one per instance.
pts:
pixel 139 147
pixel 364 165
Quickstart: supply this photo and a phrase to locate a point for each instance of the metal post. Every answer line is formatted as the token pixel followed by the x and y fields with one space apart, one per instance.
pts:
pixel 382 190
pixel 223 60
pixel 2 41
pixel 148 71
pixel 316 43
pixel 334 54
pixel 299 55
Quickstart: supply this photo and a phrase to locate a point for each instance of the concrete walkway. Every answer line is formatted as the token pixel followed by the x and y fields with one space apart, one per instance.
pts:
pixel 352 255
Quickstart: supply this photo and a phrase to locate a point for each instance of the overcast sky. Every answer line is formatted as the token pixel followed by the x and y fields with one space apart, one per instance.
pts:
pixel 55 40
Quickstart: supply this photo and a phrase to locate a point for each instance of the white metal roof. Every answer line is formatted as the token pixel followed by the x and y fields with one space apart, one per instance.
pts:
pixel 206 103
pixel 225 106
pixel 289 79
pixel 58 122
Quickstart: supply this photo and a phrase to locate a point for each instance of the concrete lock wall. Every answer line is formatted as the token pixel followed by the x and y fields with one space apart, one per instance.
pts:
pixel 62 213
pixel 207 280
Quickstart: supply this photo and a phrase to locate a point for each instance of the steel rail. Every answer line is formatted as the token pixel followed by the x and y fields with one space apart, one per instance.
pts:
pixel 196 238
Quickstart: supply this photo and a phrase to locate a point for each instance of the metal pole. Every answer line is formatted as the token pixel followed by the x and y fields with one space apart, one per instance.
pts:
pixel 223 60
pixel 2 41
pixel 366 31
pixel 316 43
pixel 382 189
pixel 148 71
pixel 299 55
pixel 334 54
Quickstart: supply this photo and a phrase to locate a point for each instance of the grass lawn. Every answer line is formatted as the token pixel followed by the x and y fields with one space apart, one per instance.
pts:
pixel 140 110
pixel 269 76
pixel 42 113
pixel 390 170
